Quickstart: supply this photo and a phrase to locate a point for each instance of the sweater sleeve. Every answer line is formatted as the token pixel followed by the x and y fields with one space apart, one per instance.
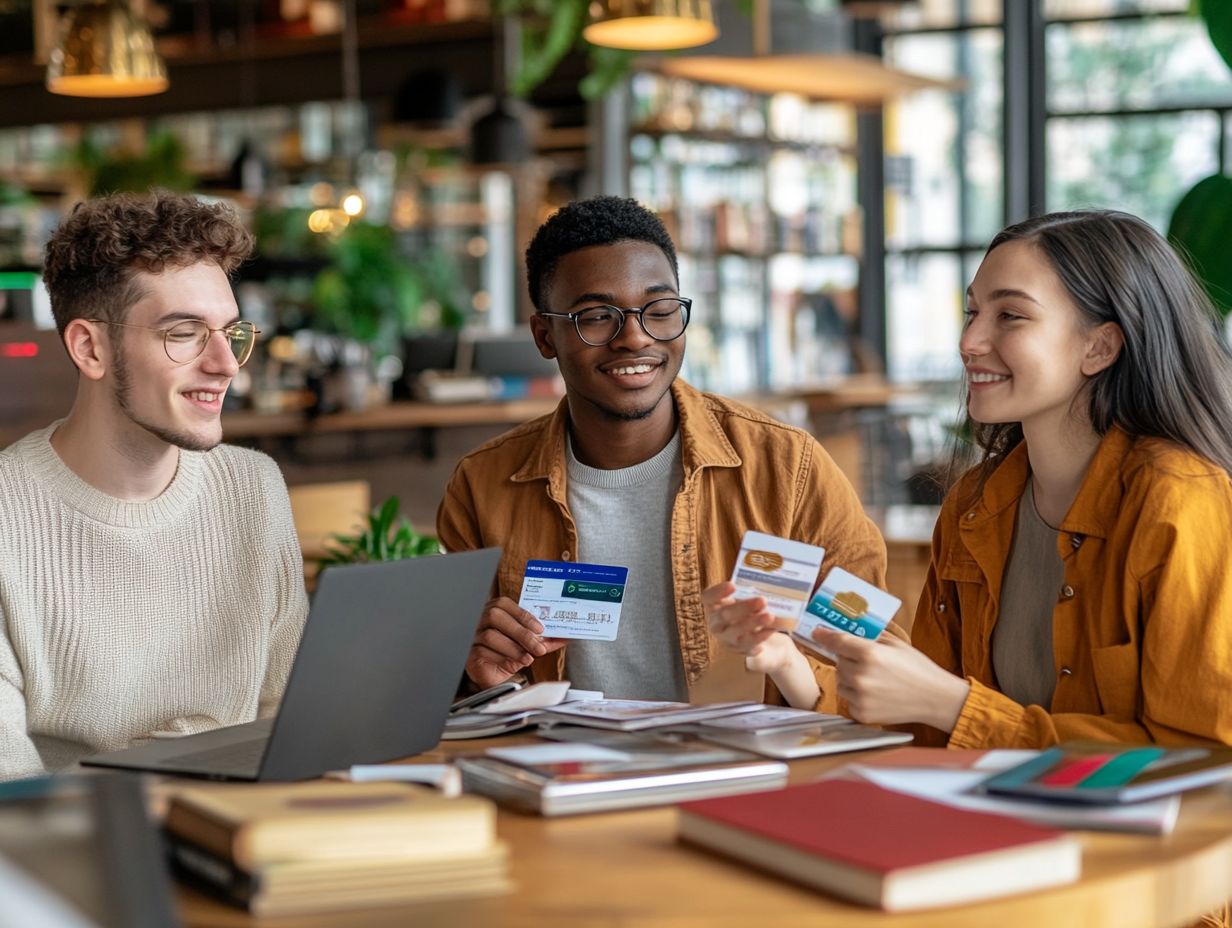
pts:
pixel 287 623
pixel 18 756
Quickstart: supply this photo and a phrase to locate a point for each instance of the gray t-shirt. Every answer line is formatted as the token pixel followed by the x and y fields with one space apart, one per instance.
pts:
pixel 623 518
pixel 1022 639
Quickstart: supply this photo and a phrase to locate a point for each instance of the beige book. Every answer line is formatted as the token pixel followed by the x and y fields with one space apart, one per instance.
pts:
pixel 254 826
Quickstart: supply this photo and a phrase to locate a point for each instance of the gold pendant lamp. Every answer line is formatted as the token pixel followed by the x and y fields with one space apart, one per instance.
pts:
pixel 651 25
pixel 105 51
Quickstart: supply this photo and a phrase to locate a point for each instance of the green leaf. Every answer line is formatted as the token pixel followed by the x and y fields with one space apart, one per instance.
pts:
pixel 388 536
pixel 1218 16
pixel 608 67
pixel 1201 229
pixel 543 48
pixel 389 512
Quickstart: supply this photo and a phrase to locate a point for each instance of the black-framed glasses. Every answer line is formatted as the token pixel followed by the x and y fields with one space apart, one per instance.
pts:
pixel 185 341
pixel 663 320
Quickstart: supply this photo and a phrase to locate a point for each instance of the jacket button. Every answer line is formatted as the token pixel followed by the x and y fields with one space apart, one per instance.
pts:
pixel 1076 541
pixel 970 517
pixel 564 555
pixel 941 607
pixel 1067 592
pixel 1066 672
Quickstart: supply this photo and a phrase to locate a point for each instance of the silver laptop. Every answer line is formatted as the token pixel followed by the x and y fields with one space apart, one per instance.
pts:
pixel 378 665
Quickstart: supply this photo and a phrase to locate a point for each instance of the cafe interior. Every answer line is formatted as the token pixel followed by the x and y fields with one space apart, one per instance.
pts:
pixel 831 173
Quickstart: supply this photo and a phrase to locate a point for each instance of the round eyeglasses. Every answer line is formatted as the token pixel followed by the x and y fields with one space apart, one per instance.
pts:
pixel 663 320
pixel 185 341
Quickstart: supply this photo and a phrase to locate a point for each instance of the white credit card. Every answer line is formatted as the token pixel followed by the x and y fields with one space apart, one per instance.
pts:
pixel 780 571
pixel 574 600
pixel 846 603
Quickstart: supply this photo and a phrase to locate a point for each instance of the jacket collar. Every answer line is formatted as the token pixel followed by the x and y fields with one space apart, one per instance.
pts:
pixel 703 443
pixel 1099 497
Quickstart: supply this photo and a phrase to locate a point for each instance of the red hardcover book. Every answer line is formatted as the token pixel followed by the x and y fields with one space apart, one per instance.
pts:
pixel 881 848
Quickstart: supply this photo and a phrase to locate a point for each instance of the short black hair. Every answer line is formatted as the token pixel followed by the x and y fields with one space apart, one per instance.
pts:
pixel 602 220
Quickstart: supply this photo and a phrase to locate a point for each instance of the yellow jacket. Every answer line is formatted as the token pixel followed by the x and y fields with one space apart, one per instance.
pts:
pixel 742 470
pixel 1142 628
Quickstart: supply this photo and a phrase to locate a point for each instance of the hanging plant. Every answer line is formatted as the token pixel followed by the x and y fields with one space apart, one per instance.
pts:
pixel 550 30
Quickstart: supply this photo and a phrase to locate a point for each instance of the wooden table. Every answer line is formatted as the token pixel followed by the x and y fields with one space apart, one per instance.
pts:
pixel 625 869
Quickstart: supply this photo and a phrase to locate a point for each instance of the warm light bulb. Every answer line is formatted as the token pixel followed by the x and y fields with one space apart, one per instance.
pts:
pixel 331 221
pixel 651 25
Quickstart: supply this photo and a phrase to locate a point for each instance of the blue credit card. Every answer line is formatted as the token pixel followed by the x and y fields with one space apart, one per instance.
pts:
pixel 575 600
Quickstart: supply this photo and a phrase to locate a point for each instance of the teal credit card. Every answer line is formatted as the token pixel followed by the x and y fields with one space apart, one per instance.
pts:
pixel 848 604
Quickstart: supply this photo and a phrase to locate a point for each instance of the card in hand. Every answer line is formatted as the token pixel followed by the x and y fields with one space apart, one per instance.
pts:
pixel 780 571
pixel 574 600
pixel 846 603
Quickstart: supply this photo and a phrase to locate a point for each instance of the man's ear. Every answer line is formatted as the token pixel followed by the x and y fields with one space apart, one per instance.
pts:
pixel 87 350
pixel 541 329
pixel 1103 348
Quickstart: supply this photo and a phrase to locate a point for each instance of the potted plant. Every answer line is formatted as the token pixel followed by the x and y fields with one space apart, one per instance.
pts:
pixel 370 295
pixel 385 536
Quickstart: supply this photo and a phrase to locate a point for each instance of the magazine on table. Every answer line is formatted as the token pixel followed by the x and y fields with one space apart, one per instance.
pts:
pixel 613 770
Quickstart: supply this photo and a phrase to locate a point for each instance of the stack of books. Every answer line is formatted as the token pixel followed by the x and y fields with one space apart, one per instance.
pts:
pixel 323 846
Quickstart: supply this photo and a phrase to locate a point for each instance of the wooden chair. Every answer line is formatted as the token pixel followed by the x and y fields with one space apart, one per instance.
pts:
pixel 324 509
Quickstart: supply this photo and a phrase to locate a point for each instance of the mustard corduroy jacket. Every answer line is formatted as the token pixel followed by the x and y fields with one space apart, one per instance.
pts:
pixel 742 470
pixel 1142 627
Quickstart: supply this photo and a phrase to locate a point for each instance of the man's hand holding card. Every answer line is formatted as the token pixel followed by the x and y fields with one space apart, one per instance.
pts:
pixel 573 600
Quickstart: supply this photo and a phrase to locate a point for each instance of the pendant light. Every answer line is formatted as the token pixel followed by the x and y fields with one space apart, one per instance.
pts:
pixel 651 25
pixel 105 51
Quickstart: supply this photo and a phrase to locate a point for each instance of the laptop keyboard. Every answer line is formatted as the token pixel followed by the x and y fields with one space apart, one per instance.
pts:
pixel 241 758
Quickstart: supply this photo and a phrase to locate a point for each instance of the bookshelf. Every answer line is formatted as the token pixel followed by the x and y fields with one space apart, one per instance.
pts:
pixel 759 191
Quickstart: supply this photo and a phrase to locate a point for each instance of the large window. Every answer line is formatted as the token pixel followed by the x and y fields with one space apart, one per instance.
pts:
pixel 1139 107
pixel 944 178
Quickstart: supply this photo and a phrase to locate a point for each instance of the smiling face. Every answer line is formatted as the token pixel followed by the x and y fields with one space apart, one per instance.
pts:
pixel 1026 347
pixel 177 403
pixel 628 378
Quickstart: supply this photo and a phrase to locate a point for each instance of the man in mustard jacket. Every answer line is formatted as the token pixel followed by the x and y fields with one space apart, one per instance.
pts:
pixel 638 469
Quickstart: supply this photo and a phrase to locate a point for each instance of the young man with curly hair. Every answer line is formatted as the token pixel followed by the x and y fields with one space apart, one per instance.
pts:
pixel 151 584
pixel 638 469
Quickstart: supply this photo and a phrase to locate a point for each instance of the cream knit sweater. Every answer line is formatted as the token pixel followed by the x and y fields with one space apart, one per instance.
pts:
pixel 121 619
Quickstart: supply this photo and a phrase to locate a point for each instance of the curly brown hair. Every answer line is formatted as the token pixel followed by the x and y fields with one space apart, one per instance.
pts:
pixel 92 257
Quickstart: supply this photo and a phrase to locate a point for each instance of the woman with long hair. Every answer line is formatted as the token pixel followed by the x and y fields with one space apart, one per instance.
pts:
pixel 1080 584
